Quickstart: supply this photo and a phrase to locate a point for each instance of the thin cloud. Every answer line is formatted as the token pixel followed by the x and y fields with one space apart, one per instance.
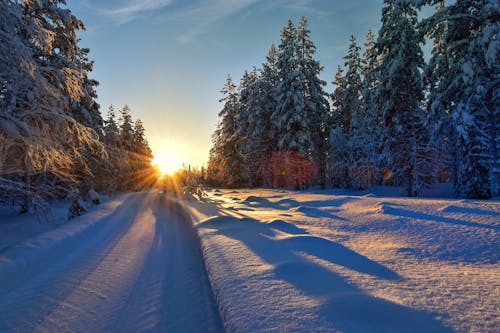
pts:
pixel 133 9
pixel 207 13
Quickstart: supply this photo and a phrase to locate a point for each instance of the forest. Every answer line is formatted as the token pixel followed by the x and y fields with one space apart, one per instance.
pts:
pixel 54 142
pixel 392 119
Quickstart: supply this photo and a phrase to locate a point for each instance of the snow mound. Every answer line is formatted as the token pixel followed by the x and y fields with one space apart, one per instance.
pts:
pixel 467 210
pixel 286 227
pixel 386 207
pixel 289 203
pixel 255 199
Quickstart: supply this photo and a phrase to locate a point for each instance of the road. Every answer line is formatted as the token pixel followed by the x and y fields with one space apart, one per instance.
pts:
pixel 142 271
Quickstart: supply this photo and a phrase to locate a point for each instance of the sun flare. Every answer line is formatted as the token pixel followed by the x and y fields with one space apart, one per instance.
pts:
pixel 168 161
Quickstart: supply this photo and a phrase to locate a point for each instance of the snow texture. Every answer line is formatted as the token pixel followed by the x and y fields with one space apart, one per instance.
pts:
pixel 131 265
pixel 350 261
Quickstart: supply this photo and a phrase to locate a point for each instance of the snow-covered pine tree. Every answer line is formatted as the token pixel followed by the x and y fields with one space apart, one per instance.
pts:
pixel 142 158
pixel 351 101
pixel 126 128
pixel 244 118
pixel 339 150
pixel 290 119
pixel 111 130
pixel 225 159
pixel 400 91
pixel 354 118
pixel 41 142
pixel 465 81
pixel 366 131
pixel 317 108
pixel 261 104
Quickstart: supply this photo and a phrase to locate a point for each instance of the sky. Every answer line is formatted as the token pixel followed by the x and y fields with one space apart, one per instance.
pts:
pixel 169 59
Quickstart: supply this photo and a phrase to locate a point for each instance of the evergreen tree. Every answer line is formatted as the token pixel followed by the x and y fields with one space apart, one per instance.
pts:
pixel 290 117
pixel 317 108
pixel 352 88
pixel 338 118
pixel 261 104
pixel 126 129
pixel 463 76
pixel 339 152
pixel 41 141
pixel 400 92
pixel 245 116
pixel 111 130
pixel 368 123
pixel 225 158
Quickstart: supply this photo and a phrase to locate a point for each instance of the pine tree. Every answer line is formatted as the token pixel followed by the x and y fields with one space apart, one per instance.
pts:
pixel 111 130
pixel 225 159
pixel 290 118
pixel 261 104
pixel 245 116
pixel 368 132
pixel 400 92
pixel 352 87
pixel 464 99
pixel 39 80
pixel 317 108
pixel 126 128
pixel 339 152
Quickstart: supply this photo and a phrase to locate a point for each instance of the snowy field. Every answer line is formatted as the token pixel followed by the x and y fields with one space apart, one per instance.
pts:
pixel 347 262
pixel 277 261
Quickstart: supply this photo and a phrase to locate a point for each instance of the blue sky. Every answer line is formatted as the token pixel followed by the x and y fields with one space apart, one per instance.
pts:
pixel 168 59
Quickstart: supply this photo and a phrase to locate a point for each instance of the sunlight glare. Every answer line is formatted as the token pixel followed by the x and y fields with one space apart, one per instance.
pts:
pixel 168 161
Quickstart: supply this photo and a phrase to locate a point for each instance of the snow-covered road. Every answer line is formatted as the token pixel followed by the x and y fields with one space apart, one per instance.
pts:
pixel 140 269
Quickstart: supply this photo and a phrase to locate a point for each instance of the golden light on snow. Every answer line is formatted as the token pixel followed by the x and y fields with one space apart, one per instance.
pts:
pixel 168 160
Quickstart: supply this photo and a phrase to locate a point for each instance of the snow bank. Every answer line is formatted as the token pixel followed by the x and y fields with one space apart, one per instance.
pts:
pixel 19 261
pixel 302 262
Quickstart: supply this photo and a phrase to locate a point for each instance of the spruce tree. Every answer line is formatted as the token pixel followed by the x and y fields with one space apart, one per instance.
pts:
pixel 126 128
pixel 464 99
pixel 368 123
pixel 290 117
pixel 225 158
pixel 317 108
pixel 400 92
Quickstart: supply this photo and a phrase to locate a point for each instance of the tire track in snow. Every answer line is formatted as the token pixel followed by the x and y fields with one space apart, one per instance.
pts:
pixel 147 275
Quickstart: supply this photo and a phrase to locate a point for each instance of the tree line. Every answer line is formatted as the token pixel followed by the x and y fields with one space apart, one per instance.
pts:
pixel 53 139
pixel 392 118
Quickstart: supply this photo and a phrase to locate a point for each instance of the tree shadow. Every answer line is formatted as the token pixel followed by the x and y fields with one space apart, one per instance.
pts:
pixel 422 216
pixel 295 206
pixel 468 210
pixel 344 305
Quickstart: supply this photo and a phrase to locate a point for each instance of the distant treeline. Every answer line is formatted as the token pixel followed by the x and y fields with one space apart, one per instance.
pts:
pixel 391 119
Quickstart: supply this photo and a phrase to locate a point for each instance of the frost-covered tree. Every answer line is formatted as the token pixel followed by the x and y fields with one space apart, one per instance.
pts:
pixel 317 108
pixel 339 141
pixel 400 92
pixel 245 115
pixel 126 129
pixel 224 166
pixel 367 132
pixel 463 76
pixel 260 105
pixel 290 118
pixel 351 102
pixel 41 141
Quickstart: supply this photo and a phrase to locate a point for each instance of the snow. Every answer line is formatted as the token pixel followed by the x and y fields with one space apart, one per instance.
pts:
pixel 130 265
pixel 344 261
pixel 255 261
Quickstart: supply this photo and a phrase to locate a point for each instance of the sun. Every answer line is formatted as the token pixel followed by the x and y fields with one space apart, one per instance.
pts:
pixel 168 161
